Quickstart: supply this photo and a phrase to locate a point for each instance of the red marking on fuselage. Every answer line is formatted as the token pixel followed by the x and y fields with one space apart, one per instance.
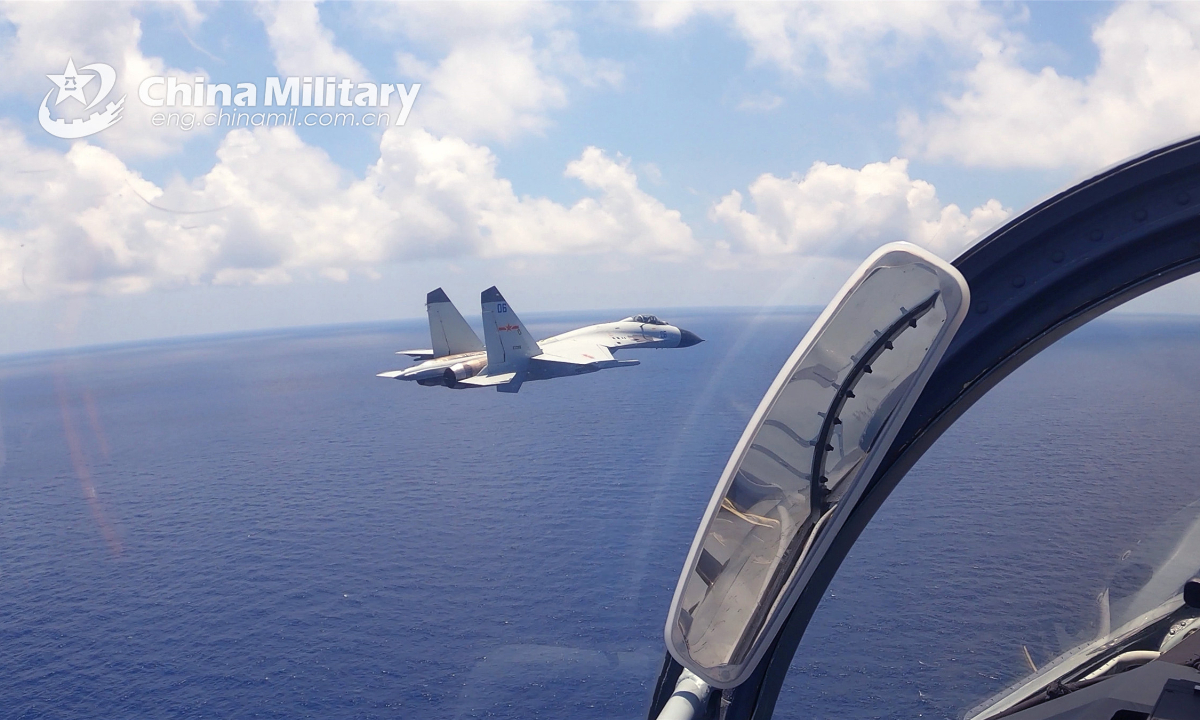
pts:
pixel 508 327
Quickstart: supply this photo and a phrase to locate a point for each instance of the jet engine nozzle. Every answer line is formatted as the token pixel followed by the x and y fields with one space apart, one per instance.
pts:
pixel 462 371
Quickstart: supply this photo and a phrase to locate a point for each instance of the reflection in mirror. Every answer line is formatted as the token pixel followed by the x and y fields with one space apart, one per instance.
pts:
pixel 810 441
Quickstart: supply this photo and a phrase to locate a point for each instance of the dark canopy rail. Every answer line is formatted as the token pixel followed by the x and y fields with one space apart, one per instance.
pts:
pixel 1075 256
pixel 819 492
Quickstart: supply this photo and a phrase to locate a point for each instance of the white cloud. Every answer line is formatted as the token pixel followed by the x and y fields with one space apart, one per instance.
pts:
pixel 761 102
pixel 447 193
pixel 652 172
pixel 665 16
pixel 493 88
pixel 47 34
pixel 302 45
pixel 839 40
pixel 272 209
pixel 491 70
pixel 1141 94
pixel 833 211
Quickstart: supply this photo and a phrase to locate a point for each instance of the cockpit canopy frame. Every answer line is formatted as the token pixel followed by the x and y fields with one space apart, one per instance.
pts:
pixel 1071 258
pixel 645 319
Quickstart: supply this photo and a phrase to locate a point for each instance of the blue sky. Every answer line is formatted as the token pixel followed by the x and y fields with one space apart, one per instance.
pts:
pixel 580 156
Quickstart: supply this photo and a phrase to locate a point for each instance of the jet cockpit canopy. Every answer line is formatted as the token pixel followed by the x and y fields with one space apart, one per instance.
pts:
pixel 645 320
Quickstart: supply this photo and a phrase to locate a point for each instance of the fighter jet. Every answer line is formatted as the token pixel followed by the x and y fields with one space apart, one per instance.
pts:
pixel 511 356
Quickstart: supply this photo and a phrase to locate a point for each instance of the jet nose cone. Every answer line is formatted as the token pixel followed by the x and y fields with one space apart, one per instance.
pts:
pixel 688 338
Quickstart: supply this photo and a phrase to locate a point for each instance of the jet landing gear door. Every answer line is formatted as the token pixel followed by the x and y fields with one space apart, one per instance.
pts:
pixel 802 462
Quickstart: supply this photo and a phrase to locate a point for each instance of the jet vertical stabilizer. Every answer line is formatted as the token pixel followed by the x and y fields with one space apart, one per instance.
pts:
pixel 450 332
pixel 509 344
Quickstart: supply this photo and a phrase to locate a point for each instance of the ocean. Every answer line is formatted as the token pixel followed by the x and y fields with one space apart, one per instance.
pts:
pixel 256 526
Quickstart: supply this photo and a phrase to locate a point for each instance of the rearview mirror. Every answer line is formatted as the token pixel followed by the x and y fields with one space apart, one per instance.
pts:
pixel 803 460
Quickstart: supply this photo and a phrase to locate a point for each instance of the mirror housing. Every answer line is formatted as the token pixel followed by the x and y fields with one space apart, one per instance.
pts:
pixel 805 457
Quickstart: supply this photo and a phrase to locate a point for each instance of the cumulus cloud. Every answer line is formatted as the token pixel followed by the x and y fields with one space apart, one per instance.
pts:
pixel 665 16
pixel 302 45
pixel 490 89
pixel 272 209
pixel 1140 95
pixel 834 211
pixel 492 71
pixel 838 40
pixel 46 35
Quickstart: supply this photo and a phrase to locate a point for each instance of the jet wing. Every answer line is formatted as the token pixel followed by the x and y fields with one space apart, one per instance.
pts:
pixel 583 351
pixel 586 356
pixel 576 351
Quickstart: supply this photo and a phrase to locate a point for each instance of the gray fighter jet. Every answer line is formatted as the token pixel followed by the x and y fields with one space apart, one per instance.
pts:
pixel 511 356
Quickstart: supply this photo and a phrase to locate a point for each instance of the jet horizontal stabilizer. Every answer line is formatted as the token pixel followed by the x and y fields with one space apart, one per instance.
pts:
pixel 504 382
pixel 489 380
pixel 418 354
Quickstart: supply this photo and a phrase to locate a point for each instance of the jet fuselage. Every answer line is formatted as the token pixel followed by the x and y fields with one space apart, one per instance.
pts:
pixel 512 357
pixel 620 335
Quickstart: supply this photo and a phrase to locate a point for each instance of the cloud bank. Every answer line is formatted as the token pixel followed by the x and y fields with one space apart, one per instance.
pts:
pixel 834 211
pixel 1141 95
pixel 272 209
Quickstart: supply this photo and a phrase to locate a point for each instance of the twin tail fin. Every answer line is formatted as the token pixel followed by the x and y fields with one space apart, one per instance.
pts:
pixel 508 343
pixel 448 329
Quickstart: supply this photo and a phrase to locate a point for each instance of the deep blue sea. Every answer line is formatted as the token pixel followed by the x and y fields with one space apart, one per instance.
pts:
pixel 258 527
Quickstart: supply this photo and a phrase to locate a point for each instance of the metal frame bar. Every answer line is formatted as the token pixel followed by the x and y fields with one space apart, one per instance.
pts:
pixel 819 493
